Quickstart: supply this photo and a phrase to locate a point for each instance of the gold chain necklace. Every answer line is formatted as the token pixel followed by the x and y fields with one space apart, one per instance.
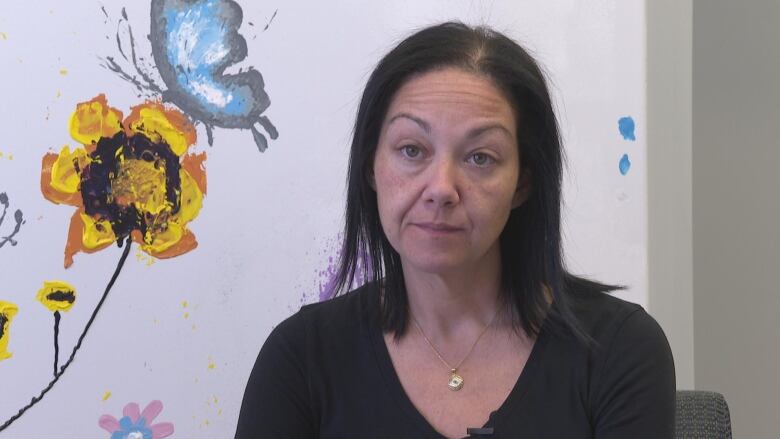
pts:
pixel 455 382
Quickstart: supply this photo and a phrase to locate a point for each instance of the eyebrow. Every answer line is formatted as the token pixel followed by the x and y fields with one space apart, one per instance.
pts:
pixel 476 132
pixel 423 124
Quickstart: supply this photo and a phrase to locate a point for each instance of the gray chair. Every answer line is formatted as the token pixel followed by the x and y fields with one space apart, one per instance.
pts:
pixel 702 415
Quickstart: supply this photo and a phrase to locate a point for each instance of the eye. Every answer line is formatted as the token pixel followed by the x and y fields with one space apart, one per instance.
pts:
pixel 481 159
pixel 410 151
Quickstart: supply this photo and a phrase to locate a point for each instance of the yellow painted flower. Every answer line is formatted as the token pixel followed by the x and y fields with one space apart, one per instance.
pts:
pixel 132 177
pixel 7 312
pixel 57 295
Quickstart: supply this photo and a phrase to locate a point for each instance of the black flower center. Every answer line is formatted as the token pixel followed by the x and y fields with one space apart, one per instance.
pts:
pixel 61 296
pixel 3 321
pixel 132 182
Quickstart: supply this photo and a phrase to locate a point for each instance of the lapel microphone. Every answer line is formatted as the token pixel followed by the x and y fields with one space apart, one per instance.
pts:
pixel 474 432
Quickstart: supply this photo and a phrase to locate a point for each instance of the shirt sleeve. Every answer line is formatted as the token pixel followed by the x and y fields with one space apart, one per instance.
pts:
pixel 635 396
pixel 276 401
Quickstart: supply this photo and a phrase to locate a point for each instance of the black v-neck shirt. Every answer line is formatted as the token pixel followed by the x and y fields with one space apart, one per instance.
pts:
pixel 326 373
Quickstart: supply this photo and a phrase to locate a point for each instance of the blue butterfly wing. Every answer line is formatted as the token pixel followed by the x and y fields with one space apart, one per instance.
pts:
pixel 193 42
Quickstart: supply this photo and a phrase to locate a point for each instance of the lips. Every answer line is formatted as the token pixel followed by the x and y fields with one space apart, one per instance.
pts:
pixel 438 227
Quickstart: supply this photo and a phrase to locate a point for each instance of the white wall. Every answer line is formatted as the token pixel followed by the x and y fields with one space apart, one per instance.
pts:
pixel 669 191
pixel 736 208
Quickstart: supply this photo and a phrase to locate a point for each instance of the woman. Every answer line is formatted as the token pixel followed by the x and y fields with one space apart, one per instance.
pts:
pixel 470 324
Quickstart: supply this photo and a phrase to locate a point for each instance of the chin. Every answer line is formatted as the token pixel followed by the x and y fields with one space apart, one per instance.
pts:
pixel 434 265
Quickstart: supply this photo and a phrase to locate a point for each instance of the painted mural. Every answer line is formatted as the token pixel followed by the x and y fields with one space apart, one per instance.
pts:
pixel 193 42
pixel 135 423
pixel 7 312
pixel 15 224
pixel 132 179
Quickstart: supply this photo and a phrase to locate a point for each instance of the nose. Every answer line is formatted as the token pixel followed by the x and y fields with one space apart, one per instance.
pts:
pixel 442 188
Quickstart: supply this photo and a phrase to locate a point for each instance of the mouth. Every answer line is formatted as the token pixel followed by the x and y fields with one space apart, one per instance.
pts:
pixel 438 228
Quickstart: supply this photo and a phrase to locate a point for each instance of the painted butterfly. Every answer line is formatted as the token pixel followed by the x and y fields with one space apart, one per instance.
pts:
pixel 193 42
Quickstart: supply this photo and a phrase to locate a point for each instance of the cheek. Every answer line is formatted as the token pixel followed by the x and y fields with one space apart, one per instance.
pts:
pixel 391 195
pixel 391 192
pixel 495 205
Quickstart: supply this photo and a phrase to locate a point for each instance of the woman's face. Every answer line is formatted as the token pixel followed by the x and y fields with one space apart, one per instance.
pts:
pixel 447 170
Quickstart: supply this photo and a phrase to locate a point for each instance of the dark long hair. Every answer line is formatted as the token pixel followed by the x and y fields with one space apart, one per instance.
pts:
pixel 531 255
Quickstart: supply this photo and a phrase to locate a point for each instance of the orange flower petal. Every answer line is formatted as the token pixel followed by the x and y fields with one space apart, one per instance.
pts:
pixel 75 242
pixel 186 243
pixel 137 237
pixel 161 124
pixel 49 192
pixel 73 245
pixel 193 164
pixel 94 119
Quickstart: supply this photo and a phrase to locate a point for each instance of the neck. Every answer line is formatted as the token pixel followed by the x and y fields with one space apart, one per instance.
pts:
pixel 453 305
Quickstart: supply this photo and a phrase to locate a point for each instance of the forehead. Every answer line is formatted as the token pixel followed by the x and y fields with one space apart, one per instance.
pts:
pixel 452 92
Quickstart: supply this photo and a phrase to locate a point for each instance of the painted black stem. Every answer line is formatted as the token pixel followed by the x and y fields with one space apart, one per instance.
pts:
pixel 57 376
pixel 56 340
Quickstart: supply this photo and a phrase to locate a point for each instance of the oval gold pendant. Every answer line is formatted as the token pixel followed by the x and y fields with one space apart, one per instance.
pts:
pixel 456 382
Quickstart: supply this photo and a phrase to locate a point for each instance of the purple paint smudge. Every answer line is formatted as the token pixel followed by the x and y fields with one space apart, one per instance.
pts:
pixel 328 275
pixel 327 288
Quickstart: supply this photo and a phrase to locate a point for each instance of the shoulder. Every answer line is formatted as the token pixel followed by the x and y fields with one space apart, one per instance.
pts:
pixel 630 365
pixel 624 332
pixel 335 317
pixel 317 333
pixel 606 319
pixel 281 397
pixel 351 304
pixel 626 338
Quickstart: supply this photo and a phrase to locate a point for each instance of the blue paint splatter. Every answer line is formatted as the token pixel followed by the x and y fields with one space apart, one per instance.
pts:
pixel 625 164
pixel 626 127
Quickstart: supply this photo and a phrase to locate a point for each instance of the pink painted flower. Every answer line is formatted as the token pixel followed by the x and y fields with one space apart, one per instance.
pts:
pixel 136 424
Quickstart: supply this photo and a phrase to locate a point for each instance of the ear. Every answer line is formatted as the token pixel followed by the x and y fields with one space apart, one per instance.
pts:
pixel 523 190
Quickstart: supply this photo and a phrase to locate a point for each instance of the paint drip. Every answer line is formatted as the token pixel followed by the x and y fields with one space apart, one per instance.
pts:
pixel 625 164
pixel 626 126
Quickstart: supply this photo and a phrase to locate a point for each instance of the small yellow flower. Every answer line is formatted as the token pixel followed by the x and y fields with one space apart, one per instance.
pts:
pixel 57 295
pixel 7 312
